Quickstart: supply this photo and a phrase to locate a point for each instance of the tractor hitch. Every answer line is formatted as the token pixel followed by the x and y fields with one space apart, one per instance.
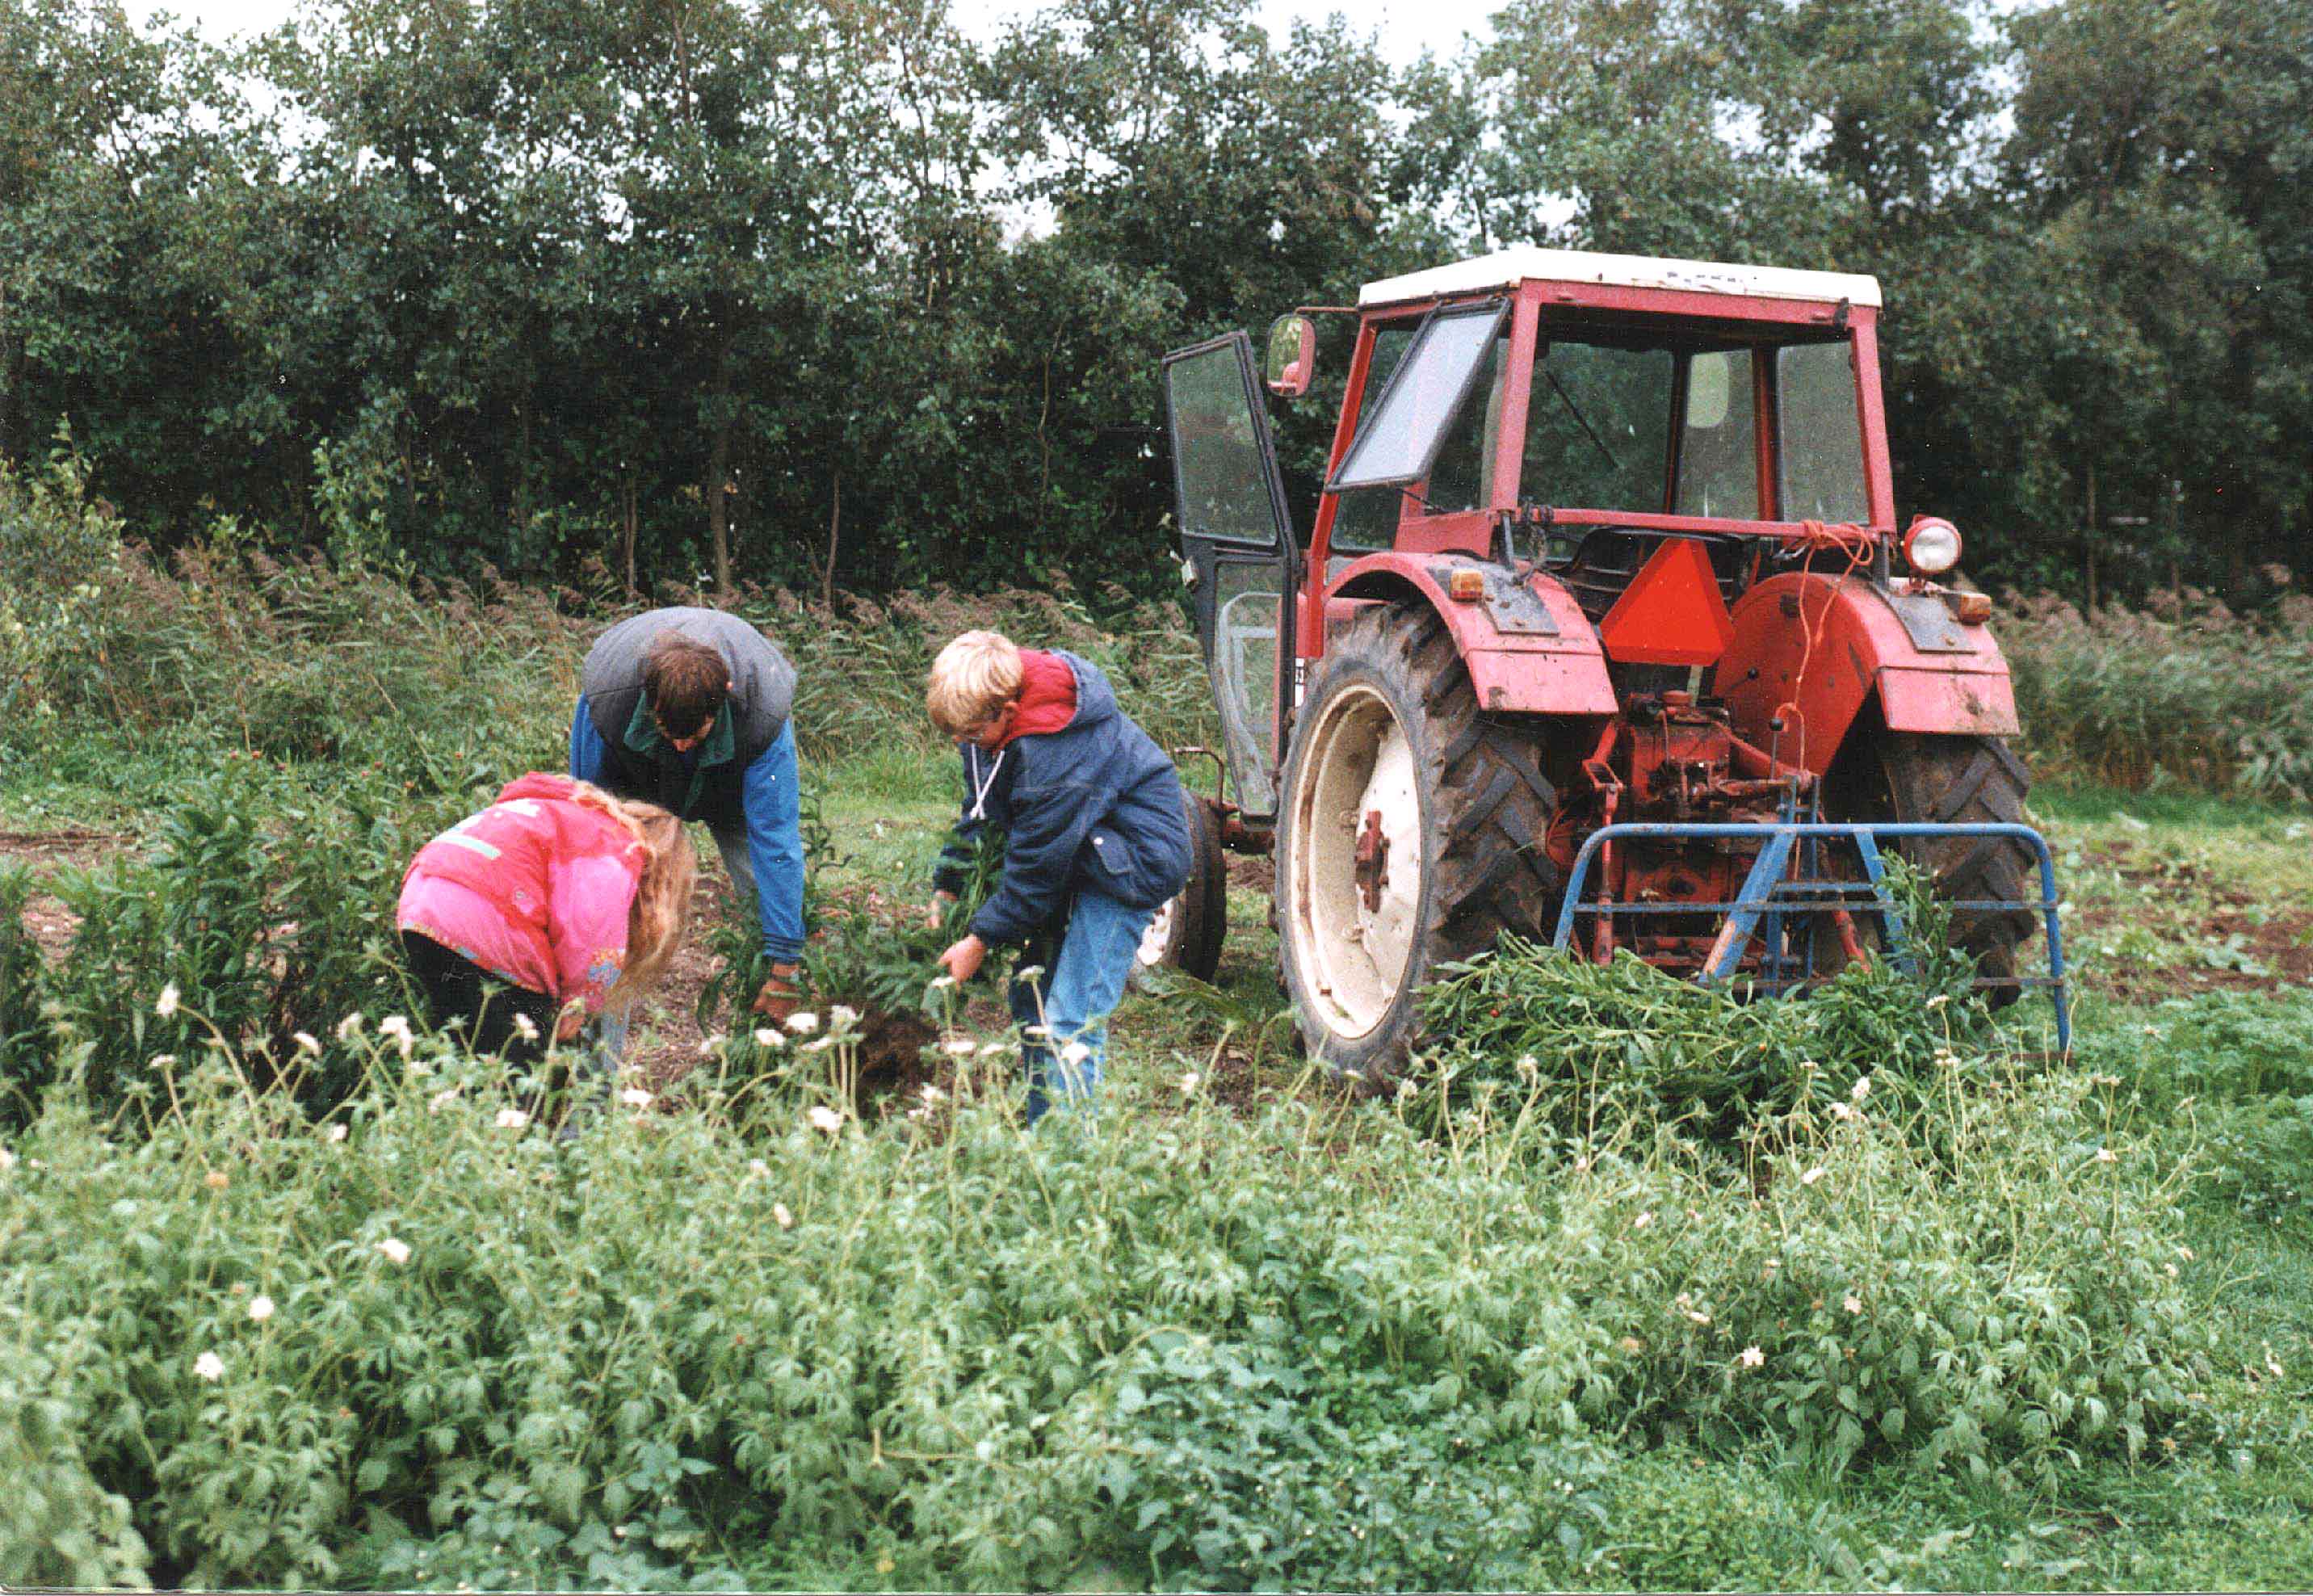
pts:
pixel 1786 891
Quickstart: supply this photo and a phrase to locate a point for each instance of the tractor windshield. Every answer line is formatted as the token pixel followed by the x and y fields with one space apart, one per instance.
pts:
pixel 1623 421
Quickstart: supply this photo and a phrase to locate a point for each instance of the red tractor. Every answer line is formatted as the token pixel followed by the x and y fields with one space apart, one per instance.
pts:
pixel 1599 635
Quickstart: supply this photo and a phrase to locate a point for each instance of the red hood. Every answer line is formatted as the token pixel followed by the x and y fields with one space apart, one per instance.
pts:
pixel 1048 695
pixel 538 784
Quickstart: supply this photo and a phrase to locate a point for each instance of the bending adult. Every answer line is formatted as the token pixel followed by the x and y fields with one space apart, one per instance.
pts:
pixel 688 708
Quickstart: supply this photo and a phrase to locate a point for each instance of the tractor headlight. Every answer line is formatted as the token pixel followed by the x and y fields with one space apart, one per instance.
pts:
pixel 1932 546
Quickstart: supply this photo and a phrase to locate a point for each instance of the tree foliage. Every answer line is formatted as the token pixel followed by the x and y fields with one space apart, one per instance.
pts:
pixel 811 293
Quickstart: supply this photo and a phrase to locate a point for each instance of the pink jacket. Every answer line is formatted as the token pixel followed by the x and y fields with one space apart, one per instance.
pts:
pixel 534 889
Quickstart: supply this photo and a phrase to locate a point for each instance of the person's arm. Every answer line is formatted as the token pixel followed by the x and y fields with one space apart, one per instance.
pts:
pixel 772 798
pixel 587 753
pixel 1049 826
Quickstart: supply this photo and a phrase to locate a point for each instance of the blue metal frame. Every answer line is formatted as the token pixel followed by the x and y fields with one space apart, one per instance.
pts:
pixel 1766 896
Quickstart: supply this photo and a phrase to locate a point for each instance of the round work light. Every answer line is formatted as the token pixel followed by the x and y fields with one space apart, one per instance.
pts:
pixel 1932 546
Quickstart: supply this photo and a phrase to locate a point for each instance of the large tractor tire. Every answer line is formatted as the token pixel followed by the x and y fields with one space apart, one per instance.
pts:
pixel 1921 776
pixel 1410 833
pixel 1187 932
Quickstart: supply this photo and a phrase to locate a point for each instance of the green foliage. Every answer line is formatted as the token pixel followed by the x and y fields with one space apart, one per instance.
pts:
pixel 2184 691
pixel 1589 1045
pixel 1300 1347
pixel 750 296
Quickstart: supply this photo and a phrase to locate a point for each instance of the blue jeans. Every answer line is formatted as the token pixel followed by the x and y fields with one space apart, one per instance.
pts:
pixel 1084 965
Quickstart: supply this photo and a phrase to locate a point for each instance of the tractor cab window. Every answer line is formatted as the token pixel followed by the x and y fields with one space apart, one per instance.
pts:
pixel 1597 427
pixel 1718 446
pixel 1822 435
pixel 1367 518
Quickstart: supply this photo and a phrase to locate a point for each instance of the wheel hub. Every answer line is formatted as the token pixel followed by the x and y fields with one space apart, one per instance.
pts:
pixel 1357 873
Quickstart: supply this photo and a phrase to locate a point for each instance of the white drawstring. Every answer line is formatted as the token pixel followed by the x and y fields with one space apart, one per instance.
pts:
pixel 980 790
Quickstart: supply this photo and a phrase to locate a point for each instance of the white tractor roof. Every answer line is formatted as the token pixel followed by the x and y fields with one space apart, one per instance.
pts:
pixel 1505 267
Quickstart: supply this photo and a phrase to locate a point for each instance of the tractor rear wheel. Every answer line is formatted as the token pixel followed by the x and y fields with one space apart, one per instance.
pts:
pixel 1186 933
pixel 1922 776
pixel 1410 833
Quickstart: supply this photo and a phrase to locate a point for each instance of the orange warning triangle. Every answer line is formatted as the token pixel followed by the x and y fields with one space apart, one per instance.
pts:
pixel 1671 614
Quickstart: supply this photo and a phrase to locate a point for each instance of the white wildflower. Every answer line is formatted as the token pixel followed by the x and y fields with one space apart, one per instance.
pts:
pixel 216 1180
pixel 396 1250
pixel 634 1097
pixel 991 1049
pixel 842 1016
pixel 932 1094
pixel 164 1060
pixel 1751 1357
pixel 1190 1082
pixel 1812 1175
pixel 821 1045
pixel 1940 1000
pixel 398 1028
pixel 209 1366
pixel 1842 1111
pixel 2105 1155
pixel 1698 1316
pixel 960 1046
pixel 335 1134
pixel 802 1023
pixel 1527 1066
pixel 1853 1304
pixel 525 1027
pixel 1643 1221
pixel 708 1046
pixel 1861 1088
pixel 824 1118
pixel 168 1003
pixel 442 1099
pixel 765 1036
pixel 942 982
pixel 308 1043
pixel 779 1214
pixel 349 1027
pixel 1028 973
pixel 1074 1053
pixel 757 1166
pixel 260 1308
pixel 512 1119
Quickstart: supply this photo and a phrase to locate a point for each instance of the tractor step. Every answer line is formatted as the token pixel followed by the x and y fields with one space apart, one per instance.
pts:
pixel 1773 902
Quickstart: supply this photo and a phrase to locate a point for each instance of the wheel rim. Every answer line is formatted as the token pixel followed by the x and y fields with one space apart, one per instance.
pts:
pixel 1158 940
pixel 1356 911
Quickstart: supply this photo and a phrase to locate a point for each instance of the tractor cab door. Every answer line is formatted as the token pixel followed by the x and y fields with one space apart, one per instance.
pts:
pixel 1238 546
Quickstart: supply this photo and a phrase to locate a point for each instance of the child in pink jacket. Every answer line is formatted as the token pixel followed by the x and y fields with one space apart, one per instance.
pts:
pixel 553 903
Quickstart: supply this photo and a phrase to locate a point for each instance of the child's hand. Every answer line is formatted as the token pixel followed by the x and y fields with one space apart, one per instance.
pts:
pixel 963 960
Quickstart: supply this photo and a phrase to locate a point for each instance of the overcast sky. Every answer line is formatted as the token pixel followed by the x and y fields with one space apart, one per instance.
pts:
pixel 1405 28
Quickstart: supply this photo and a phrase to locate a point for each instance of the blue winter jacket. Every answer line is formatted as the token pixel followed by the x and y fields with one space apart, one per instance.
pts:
pixel 1095 806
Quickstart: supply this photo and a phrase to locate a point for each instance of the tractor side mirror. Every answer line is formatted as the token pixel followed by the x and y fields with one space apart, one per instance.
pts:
pixel 1292 358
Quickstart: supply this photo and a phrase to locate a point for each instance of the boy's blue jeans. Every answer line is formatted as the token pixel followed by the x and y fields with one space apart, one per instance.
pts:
pixel 1083 978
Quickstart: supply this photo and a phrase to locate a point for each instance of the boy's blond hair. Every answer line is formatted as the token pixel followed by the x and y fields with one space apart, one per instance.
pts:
pixel 974 677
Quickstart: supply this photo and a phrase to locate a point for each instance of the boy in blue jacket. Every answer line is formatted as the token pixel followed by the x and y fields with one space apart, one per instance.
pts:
pixel 1095 839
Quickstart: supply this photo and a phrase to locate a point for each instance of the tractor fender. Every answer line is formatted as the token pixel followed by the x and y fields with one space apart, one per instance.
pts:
pixel 1529 648
pixel 1824 644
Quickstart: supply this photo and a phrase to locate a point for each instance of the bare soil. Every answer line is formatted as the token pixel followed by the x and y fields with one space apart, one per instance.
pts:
pixel 2179 895
pixel 50 924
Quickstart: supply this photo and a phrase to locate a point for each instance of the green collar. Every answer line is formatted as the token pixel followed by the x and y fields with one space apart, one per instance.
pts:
pixel 642 736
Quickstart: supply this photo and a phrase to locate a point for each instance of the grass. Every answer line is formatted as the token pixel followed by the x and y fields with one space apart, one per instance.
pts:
pixel 1248 1293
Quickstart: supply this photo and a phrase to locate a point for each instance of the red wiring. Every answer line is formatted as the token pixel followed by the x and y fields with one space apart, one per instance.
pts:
pixel 1817 537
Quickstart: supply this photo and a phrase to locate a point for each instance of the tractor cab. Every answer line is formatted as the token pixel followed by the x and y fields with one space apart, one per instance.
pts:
pixel 1624 530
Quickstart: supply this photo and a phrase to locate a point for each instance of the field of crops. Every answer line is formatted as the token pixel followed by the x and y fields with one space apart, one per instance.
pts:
pixel 1629 1285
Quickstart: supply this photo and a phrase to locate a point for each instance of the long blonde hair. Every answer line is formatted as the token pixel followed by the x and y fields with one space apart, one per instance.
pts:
pixel 660 914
